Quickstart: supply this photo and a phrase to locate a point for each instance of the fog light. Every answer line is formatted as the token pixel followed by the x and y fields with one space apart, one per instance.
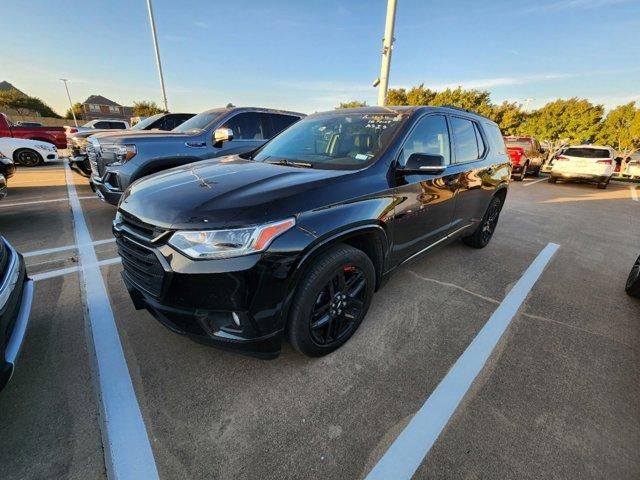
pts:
pixel 235 317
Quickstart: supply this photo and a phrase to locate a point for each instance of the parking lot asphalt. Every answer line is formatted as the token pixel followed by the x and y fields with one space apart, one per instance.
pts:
pixel 558 398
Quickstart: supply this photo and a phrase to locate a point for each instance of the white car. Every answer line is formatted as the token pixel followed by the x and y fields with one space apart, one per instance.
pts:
pixel 28 153
pixel 589 163
pixel 99 124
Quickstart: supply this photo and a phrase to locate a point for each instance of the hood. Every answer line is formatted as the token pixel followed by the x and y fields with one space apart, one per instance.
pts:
pixel 231 192
pixel 141 136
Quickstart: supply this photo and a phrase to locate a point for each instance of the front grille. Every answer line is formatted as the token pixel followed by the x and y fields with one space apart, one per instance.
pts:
pixel 140 228
pixel 92 154
pixel 141 266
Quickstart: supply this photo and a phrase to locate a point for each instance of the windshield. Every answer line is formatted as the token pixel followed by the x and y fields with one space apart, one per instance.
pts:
pixel 347 141
pixel 518 143
pixel 587 152
pixel 199 122
pixel 90 124
pixel 142 124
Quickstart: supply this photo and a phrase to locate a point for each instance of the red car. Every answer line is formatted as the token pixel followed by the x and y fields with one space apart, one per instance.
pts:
pixel 527 156
pixel 54 135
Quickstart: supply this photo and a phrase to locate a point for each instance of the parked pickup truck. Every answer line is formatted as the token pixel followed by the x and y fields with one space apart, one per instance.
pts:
pixel 77 142
pixel 54 135
pixel 527 156
pixel 119 160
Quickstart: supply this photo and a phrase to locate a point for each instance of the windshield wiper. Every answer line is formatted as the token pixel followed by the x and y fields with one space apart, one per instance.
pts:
pixel 290 163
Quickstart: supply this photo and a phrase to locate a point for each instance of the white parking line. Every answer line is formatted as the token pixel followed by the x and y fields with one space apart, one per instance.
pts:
pixel 18 204
pixel 47 251
pixel 65 271
pixel 407 452
pixel 127 449
pixel 527 184
pixel 634 193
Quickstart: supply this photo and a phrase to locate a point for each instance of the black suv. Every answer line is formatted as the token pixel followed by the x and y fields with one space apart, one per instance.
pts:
pixel 293 239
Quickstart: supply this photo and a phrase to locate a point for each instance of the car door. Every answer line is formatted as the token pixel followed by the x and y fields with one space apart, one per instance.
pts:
pixel 250 131
pixel 424 203
pixel 477 172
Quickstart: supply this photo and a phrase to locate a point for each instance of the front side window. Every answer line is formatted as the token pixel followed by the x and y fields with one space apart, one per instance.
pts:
pixel 248 126
pixel 280 122
pixel 333 141
pixel 466 144
pixel 101 125
pixel 430 136
pixel 199 122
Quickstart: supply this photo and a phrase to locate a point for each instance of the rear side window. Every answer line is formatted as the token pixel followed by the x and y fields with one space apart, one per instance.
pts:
pixel 116 125
pixel 587 152
pixel 481 146
pixel 101 125
pixel 464 137
pixel 248 126
pixel 495 138
pixel 430 136
pixel 280 122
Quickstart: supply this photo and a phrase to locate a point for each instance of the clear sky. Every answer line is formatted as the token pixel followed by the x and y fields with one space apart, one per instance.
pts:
pixel 310 55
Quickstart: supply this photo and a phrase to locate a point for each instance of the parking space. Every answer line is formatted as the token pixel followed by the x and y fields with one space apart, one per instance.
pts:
pixel 558 397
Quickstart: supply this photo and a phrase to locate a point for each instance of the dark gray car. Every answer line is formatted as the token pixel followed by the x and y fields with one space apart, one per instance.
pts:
pixel 117 161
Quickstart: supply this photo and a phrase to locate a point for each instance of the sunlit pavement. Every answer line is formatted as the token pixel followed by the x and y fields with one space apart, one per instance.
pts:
pixel 558 398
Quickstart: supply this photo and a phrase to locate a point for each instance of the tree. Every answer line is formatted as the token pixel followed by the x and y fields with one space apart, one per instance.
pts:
pixel 397 96
pixel 351 104
pixel 25 105
pixel 509 116
pixel 621 129
pixel 478 101
pixel 420 95
pixel 576 120
pixel 77 109
pixel 145 108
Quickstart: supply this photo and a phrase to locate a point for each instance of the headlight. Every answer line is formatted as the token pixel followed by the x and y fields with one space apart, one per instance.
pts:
pixel 209 244
pixel 123 153
pixel 47 146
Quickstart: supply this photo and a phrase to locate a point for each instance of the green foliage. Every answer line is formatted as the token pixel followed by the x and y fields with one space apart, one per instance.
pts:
pixel 24 104
pixel 77 108
pixel 397 96
pixel 576 120
pixel 144 108
pixel 351 104
pixel 509 116
pixel 621 128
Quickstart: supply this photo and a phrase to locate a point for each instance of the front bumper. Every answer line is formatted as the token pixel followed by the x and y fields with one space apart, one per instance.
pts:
pixel 238 304
pixel 14 315
pixel 106 191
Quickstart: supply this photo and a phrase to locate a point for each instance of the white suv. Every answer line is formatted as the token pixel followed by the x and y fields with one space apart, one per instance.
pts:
pixel 589 163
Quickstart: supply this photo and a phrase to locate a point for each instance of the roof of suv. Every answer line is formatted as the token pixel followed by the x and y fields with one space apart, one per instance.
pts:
pixel 254 109
pixel 403 109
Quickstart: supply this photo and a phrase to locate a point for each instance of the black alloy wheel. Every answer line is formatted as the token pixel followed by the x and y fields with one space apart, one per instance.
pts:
pixel 28 158
pixel 331 300
pixel 633 280
pixel 482 235
pixel 339 304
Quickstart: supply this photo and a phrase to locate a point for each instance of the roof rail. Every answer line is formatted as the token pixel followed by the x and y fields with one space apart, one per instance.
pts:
pixel 466 110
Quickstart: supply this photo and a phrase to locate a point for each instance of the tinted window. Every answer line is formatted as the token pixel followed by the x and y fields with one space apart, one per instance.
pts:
pixel 200 121
pixel 117 125
pixel 248 126
pixel 430 136
pixel 101 125
pixel 587 152
pixel 495 138
pixel 464 135
pixel 280 122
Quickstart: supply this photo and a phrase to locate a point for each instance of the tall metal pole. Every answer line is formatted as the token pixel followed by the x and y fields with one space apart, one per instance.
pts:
pixel 155 44
pixel 386 52
pixel 64 80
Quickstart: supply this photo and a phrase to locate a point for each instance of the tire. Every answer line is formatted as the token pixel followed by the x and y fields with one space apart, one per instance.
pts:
pixel 520 177
pixel 331 300
pixel 553 179
pixel 27 157
pixel 602 185
pixel 536 172
pixel 482 235
pixel 632 286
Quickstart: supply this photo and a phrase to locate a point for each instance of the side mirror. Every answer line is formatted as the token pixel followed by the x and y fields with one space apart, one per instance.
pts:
pixel 424 163
pixel 222 135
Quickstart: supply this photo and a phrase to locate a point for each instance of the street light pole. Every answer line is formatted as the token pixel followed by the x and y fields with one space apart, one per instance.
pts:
pixel 387 47
pixel 64 80
pixel 157 49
